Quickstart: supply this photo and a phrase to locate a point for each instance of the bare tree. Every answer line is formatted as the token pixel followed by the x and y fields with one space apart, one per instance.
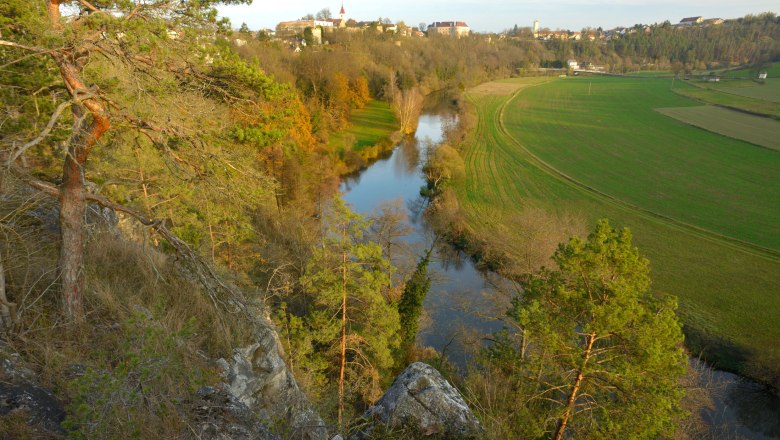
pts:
pixel 407 105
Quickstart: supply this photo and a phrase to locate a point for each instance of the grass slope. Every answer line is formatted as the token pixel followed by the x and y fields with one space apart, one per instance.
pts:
pixel 728 293
pixel 368 126
pixel 757 130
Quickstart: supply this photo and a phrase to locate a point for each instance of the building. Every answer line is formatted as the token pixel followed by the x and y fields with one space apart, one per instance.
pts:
pixel 536 28
pixel 690 21
pixel 573 64
pixel 289 28
pixel 712 21
pixel 553 35
pixel 451 28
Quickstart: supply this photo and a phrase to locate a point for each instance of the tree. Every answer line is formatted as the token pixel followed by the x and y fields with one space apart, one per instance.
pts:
pixel 324 14
pixel 411 304
pixel 603 356
pixel 262 35
pixel 143 38
pixel 308 36
pixel 407 104
pixel 443 165
pixel 244 29
pixel 388 226
pixel 354 322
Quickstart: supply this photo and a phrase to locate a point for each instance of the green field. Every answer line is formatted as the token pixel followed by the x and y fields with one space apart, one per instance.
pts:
pixel 680 189
pixel 731 100
pixel 769 90
pixel 749 72
pixel 757 130
pixel 613 140
pixel 369 125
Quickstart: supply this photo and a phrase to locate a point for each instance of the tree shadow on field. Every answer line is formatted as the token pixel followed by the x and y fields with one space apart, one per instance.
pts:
pixel 717 351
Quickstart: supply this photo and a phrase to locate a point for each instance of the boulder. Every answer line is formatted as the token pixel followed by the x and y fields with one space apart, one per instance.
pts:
pixel 420 399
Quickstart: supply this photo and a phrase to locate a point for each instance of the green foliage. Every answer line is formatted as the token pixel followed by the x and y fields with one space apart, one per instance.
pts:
pixel 411 304
pixel 346 261
pixel 592 335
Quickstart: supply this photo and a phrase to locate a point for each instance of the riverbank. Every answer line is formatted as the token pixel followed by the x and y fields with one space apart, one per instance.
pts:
pixel 373 131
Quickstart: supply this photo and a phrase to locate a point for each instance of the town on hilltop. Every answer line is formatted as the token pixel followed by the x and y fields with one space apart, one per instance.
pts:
pixel 310 29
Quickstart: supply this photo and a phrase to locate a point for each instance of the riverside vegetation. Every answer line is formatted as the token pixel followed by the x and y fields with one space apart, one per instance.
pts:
pixel 222 164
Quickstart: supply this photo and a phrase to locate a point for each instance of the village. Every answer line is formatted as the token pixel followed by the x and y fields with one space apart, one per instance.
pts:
pixel 310 29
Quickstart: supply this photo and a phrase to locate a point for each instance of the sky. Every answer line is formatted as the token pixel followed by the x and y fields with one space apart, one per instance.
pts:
pixel 498 15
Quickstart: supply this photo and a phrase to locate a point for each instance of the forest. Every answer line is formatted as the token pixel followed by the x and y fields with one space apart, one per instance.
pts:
pixel 162 186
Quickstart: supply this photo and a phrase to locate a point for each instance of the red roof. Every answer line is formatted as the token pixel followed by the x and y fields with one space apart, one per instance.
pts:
pixel 342 9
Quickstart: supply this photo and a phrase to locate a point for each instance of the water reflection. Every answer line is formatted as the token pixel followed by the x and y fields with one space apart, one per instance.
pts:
pixel 745 405
pixel 460 299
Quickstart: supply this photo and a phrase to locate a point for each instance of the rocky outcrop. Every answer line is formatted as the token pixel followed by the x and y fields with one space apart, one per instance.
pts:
pixel 218 415
pixel 420 399
pixel 259 378
pixel 20 394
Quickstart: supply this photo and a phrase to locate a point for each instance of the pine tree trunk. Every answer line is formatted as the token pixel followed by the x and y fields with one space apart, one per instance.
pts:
pixel 575 389
pixel 72 195
pixel 73 207
pixel 343 329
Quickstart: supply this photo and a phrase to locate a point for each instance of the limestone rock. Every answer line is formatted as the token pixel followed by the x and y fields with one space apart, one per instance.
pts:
pixel 259 378
pixel 421 399
pixel 218 415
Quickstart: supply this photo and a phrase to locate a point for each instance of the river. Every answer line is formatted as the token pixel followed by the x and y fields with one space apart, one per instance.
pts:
pixel 461 298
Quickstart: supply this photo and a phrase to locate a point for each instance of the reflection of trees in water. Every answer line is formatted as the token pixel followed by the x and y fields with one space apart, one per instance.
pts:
pixel 408 161
pixel 449 257
pixel 755 407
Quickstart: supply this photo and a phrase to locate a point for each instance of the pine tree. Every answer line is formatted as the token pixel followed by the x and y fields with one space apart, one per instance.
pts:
pixel 353 320
pixel 604 354
pixel 411 304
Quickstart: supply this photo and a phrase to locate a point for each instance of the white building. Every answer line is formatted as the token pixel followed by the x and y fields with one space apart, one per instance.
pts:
pixel 452 28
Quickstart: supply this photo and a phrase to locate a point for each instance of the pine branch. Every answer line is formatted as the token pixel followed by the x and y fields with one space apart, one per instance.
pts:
pixel 53 120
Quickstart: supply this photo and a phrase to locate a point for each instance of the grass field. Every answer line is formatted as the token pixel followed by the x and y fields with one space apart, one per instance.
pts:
pixel 748 72
pixel 768 91
pixel 757 130
pixel 368 126
pixel 608 154
pixel 613 140
pixel 731 100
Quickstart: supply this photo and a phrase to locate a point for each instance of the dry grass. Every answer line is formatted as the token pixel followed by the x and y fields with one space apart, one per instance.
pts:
pixel 149 336
pixel 503 88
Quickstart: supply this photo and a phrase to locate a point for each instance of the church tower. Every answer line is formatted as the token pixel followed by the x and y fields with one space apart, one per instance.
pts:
pixel 342 17
pixel 536 27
